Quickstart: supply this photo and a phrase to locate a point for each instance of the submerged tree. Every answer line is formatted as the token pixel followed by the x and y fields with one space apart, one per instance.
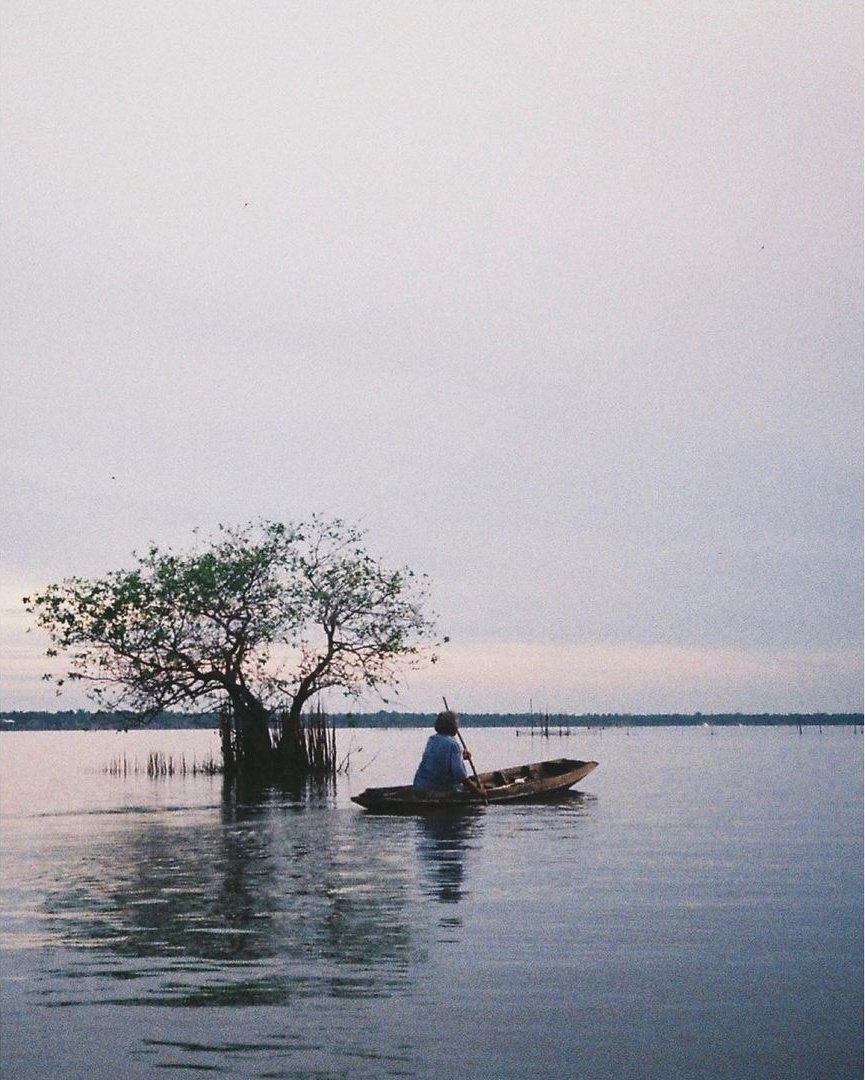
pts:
pixel 263 617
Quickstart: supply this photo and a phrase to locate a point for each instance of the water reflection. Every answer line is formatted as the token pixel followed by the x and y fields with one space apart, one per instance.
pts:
pixel 634 913
pixel 249 904
pixel 443 839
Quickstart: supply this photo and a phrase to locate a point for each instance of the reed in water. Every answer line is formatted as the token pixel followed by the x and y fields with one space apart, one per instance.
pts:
pixel 159 766
pixel 313 752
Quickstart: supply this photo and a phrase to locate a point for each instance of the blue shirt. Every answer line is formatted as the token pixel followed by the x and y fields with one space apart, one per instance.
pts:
pixel 441 765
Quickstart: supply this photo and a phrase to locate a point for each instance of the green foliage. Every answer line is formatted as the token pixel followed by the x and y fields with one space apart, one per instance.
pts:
pixel 264 612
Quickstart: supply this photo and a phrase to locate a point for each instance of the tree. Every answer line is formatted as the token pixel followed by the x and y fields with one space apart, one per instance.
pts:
pixel 264 616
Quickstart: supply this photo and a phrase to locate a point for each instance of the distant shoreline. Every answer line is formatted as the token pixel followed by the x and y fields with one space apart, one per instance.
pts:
pixel 540 723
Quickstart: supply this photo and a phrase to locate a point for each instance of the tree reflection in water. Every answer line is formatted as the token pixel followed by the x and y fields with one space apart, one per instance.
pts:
pixel 254 903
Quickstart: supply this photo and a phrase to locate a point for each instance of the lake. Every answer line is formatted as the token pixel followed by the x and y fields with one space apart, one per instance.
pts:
pixel 695 912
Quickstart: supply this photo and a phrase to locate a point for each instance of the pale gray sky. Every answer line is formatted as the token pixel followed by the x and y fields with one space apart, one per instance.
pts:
pixel 560 301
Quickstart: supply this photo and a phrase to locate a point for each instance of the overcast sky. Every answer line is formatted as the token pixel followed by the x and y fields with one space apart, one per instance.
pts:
pixel 560 301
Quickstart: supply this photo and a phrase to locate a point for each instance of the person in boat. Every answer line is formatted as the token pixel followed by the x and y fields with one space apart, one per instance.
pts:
pixel 442 767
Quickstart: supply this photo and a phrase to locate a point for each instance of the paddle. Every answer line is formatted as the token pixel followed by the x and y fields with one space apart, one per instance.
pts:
pixel 483 793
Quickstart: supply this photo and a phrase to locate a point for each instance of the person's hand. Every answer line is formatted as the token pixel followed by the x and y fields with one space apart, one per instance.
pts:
pixel 466 755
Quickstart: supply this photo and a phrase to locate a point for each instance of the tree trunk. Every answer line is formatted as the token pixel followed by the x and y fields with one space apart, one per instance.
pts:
pixel 291 748
pixel 248 752
pixel 253 750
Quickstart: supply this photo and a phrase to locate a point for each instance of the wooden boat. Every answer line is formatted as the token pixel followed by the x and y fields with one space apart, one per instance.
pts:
pixel 522 783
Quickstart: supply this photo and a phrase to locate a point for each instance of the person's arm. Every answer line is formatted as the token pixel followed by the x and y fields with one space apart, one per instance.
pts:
pixel 457 767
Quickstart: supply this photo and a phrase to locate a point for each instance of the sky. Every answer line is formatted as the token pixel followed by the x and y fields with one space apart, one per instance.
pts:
pixel 560 302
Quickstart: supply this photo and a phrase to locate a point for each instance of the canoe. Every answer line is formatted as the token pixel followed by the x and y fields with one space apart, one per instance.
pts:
pixel 522 783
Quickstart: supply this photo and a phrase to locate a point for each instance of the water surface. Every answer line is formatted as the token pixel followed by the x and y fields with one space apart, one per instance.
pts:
pixel 695 912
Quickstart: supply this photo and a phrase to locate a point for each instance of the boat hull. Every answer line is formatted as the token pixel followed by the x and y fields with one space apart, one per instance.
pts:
pixel 522 783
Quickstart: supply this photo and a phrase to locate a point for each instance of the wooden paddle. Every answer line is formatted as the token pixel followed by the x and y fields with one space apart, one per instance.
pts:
pixel 483 793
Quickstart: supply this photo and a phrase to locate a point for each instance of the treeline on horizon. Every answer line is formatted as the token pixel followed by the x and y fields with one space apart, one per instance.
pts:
pixel 84 720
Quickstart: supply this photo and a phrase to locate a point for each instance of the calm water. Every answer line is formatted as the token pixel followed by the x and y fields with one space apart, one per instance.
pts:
pixel 696 912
